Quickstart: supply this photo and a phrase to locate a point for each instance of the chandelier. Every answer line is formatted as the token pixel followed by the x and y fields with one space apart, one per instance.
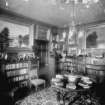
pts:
pixel 73 3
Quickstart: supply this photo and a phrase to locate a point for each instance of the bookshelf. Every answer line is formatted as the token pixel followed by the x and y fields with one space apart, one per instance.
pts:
pixel 15 69
pixel 74 65
pixel 70 64
pixel 41 43
pixel 41 50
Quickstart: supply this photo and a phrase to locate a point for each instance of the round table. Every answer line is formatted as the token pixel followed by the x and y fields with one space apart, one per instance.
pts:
pixel 65 95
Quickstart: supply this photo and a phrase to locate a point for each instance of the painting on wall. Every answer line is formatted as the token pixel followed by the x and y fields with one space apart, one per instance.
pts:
pixel 17 34
pixel 95 37
pixel 95 40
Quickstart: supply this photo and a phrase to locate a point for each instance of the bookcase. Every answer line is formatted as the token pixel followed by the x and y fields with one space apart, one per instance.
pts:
pixel 14 71
pixel 70 64
pixel 41 50
pixel 73 64
pixel 41 43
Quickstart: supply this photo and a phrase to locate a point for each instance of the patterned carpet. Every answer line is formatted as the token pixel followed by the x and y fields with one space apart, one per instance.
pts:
pixel 48 97
pixel 43 97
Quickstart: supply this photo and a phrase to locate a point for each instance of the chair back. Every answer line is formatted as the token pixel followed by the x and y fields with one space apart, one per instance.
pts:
pixel 33 74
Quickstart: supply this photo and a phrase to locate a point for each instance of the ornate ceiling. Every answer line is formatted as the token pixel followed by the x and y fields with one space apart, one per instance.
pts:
pixel 55 14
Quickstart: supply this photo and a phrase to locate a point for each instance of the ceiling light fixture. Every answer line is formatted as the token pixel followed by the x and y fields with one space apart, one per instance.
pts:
pixel 64 34
pixel 73 21
pixel 6 3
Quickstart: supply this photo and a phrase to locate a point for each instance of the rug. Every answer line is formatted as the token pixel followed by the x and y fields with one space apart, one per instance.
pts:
pixel 48 97
pixel 43 97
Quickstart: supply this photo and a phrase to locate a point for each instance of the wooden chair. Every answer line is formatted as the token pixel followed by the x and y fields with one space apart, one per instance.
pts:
pixel 35 80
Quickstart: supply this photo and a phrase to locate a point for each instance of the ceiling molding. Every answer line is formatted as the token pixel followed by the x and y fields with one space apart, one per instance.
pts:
pixel 18 17
pixel 92 24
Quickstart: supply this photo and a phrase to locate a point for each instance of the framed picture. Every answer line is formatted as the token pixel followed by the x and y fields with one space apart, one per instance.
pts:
pixel 17 34
pixel 95 39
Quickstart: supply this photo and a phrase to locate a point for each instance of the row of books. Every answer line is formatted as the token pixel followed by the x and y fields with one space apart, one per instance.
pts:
pixel 70 64
pixel 16 66
pixel 17 72
pixel 20 78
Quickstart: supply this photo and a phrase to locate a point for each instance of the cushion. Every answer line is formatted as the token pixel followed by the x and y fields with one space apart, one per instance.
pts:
pixel 37 82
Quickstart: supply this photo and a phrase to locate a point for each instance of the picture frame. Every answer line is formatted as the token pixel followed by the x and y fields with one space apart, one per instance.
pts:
pixel 95 37
pixel 95 40
pixel 18 34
